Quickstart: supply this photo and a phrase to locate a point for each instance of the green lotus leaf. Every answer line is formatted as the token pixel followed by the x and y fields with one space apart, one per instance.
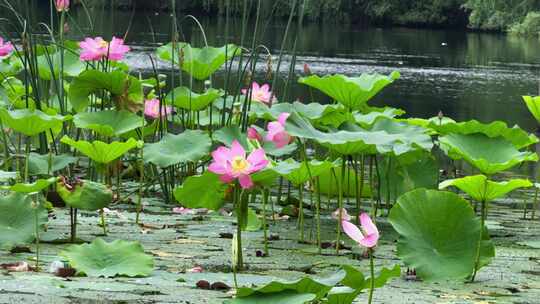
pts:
pixel 37 186
pixel 298 173
pixel 200 63
pixel 265 178
pixel 253 221
pixel 10 66
pixel 533 104
pixel 108 123
pixel 311 111
pixel 354 283
pixel 51 63
pixel 85 195
pixel 189 146
pixel 481 189
pixel 368 119
pixel 489 155
pixel 282 297
pixel 102 259
pixel 125 90
pixel 352 92
pixel 408 138
pixel 184 98
pixel 439 234
pixel 202 191
pixel 31 122
pixel 271 149
pixel 345 142
pixel 102 152
pixel 515 135
pixel 6 175
pixel 17 220
pixel 39 164
pixel 228 134
pixel 328 183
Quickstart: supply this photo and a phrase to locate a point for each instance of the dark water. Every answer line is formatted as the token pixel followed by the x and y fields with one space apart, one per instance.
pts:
pixel 466 75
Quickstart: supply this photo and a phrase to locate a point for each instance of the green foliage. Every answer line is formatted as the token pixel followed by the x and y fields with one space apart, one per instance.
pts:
pixel 85 195
pixel 481 189
pixel 17 220
pixel 189 146
pixel 102 152
pixel 109 122
pixel 202 191
pixel 184 98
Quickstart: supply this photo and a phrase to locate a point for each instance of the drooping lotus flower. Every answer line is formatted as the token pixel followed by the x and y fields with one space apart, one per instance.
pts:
pixel 253 134
pixel 232 164
pixel 62 5
pixel 368 236
pixel 5 47
pixel 276 131
pixel 97 49
pixel 344 215
pixel 260 93
pixel 151 109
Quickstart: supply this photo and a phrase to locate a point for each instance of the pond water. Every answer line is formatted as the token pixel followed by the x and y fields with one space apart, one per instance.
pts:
pixel 466 75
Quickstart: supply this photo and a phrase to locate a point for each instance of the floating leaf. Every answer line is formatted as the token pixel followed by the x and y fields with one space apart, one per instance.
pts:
pixel 5 175
pixel 189 146
pixel 108 123
pixel 102 259
pixel 101 152
pixel 31 122
pixel 352 92
pixel 17 220
pixel 489 155
pixel 481 189
pixel 438 234
pixel 85 195
pixel 201 63
pixel 184 98
pixel 38 164
pixel 203 191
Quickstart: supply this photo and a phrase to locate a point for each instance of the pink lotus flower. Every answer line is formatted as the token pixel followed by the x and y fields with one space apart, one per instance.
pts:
pixel 253 134
pixel 367 237
pixel 151 109
pixel 344 215
pixel 276 131
pixel 232 164
pixel 260 93
pixel 5 47
pixel 62 5
pixel 196 269
pixel 97 49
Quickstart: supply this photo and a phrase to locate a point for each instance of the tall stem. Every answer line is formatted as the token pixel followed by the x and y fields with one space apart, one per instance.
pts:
pixel 318 213
pixel 372 270
pixel 141 183
pixel 478 249
pixel 36 220
pixel 301 211
pixel 266 193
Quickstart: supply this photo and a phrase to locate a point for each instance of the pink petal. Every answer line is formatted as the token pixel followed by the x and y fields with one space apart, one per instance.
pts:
pixel 217 168
pixel 237 150
pixel 352 231
pixel 283 118
pixel 245 181
pixel 226 178
pixel 244 91
pixel 265 87
pixel 222 155
pixel 256 157
pixel 367 225
pixel 281 139
pixel 255 86
pixel 370 241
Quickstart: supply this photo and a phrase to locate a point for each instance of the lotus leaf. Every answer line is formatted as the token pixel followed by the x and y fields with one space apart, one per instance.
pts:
pixel 39 164
pixel 282 297
pixel 37 186
pixel 408 138
pixel 126 90
pixel 481 189
pixel 31 122
pixel 184 98
pixel 108 123
pixel 489 155
pixel 533 104
pixel 102 259
pixel 227 135
pixel 5 175
pixel 72 67
pixel 328 184
pixel 85 195
pixel 17 220
pixel 203 191
pixel 299 173
pixel 189 146
pixel 368 119
pixel 102 152
pixel 439 234
pixel 352 92
pixel 200 63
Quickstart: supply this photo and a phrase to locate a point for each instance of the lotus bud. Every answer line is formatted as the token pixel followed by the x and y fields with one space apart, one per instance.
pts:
pixel 62 5
pixel 307 70
pixel 269 68
pixel 66 28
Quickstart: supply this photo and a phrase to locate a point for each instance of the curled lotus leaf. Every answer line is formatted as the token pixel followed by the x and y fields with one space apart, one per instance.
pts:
pixel 84 194
pixel 368 119
pixel 184 98
pixel 37 186
pixel 201 191
pixel 31 122
pixel 352 92
pixel 481 189
pixel 102 152
pixel 109 122
pixel 487 154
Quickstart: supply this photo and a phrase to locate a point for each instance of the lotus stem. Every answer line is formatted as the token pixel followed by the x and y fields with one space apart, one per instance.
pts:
pixel 301 211
pixel 36 221
pixel 265 193
pixel 103 223
pixel 318 213
pixel 478 249
pixel 140 194
pixel 238 203
pixel 27 160
pixel 535 204
pixel 340 204
pixel 389 166
pixel 372 271
pixel 73 215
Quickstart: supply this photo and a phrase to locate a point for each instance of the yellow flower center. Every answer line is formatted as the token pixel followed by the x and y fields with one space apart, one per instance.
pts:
pixel 240 165
pixel 104 44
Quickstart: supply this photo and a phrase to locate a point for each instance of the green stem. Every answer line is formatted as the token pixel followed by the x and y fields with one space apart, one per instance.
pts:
pixel 103 223
pixel 535 204
pixel 27 160
pixel 340 204
pixel 301 211
pixel 372 271
pixel 141 183
pixel 478 249
pixel 318 213
pixel 265 226
pixel 36 220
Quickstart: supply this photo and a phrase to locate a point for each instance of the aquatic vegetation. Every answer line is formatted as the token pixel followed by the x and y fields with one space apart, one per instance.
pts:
pixel 153 108
pixel 94 49
pixel 62 5
pixel 276 131
pixel 260 93
pixel 5 47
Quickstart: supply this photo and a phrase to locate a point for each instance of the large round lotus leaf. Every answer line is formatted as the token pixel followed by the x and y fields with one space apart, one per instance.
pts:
pixel 299 173
pixel 367 120
pixel 102 152
pixel 515 135
pixel 184 98
pixel 125 89
pixel 311 111
pixel 102 259
pixel 533 104
pixel 203 191
pixel 38 164
pixel 352 92
pixel 108 123
pixel 481 189
pixel 439 234
pixel 189 146
pixel 17 220
pixel 39 185
pixel 51 62
pixel 343 142
pixel 489 155
pixel 228 134
pixel 85 195
pixel 200 63
pixel 31 122
pixel 408 138
pixel 281 297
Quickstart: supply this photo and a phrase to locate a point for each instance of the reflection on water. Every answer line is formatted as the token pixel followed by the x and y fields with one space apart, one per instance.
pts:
pixel 466 75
